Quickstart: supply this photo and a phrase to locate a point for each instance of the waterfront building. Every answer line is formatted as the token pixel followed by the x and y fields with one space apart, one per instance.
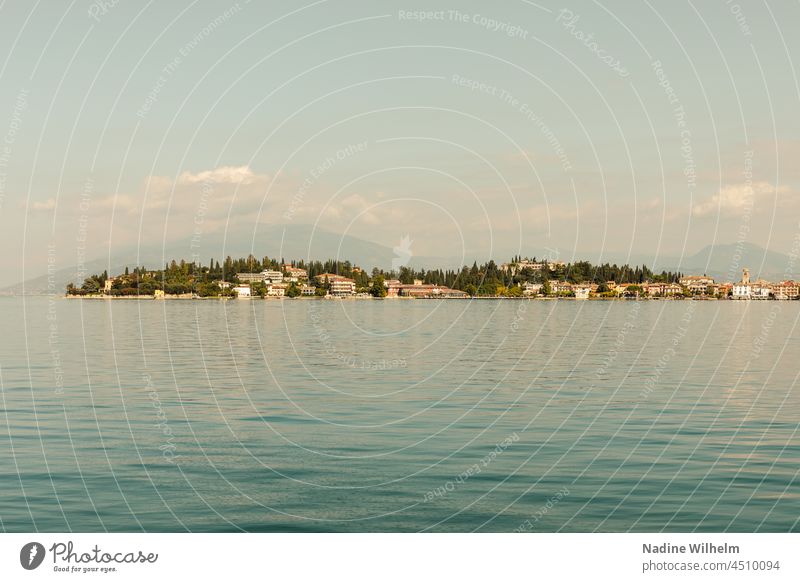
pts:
pixel 429 291
pixel 529 288
pixel 659 289
pixel 697 285
pixel 671 289
pixel 392 287
pixel 724 289
pixel 582 291
pixel 242 290
pixel 308 290
pixel 746 289
pixel 741 290
pixel 342 286
pixel 560 286
pixel 786 290
pixel 761 289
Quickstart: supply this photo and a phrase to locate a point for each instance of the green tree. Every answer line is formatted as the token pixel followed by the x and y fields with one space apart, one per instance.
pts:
pixel 378 289
pixel 258 288
pixel 293 290
pixel 633 290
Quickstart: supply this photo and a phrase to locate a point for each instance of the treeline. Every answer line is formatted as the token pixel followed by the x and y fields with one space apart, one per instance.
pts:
pixel 486 279
pixel 490 279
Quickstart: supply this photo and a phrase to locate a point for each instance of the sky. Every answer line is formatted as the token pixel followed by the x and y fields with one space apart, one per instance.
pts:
pixel 587 130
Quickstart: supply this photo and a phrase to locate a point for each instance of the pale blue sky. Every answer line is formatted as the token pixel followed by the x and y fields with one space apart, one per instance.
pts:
pixel 232 106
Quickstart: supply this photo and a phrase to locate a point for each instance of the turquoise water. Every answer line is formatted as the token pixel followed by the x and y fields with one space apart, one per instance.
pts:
pixel 399 416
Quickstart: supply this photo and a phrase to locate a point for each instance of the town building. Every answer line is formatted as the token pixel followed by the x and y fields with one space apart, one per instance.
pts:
pixel 242 290
pixel 786 290
pixel 329 276
pixel 308 290
pixel 276 290
pixel 392 287
pixel 663 289
pixel 529 288
pixel 294 274
pixel 271 276
pixel 560 286
pixel 582 291
pixel 520 266
pixel 342 286
pixel 265 276
pixel 697 285
pixel 250 277
pixel 746 289
pixel 430 291
pixel 724 289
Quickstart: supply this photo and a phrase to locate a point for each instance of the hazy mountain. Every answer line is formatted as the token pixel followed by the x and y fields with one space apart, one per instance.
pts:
pixel 283 242
pixel 41 285
pixel 723 261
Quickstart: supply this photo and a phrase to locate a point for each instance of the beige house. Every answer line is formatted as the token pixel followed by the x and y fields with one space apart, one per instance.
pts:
pixel 342 286
pixel 786 290
pixel 697 285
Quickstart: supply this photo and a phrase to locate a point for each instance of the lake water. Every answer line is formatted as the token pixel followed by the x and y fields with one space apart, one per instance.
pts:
pixel 396 415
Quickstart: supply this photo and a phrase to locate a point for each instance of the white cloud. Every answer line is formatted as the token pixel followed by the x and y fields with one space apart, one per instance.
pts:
pixel 45 206
pixel 221 175
pixel 736 199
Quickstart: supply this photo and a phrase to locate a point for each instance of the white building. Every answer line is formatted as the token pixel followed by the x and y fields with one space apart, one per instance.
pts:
pixel 745 289
pixel 249 277
pixel 308 290
pixel 342 286
pixel 531 288
pixel 276 290
pixel 515 268
pixel 271 276
pixel 581 291
pixel 242 290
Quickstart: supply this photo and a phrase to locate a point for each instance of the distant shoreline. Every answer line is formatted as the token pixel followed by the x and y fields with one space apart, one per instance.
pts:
pixel 354 298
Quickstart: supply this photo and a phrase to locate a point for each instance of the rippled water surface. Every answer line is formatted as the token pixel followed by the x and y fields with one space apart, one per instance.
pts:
pixel 312 415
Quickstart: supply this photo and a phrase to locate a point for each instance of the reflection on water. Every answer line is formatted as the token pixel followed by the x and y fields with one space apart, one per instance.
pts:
pixel 398 416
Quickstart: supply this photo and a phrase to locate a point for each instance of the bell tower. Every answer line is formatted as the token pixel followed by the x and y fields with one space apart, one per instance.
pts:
pixel 745 276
